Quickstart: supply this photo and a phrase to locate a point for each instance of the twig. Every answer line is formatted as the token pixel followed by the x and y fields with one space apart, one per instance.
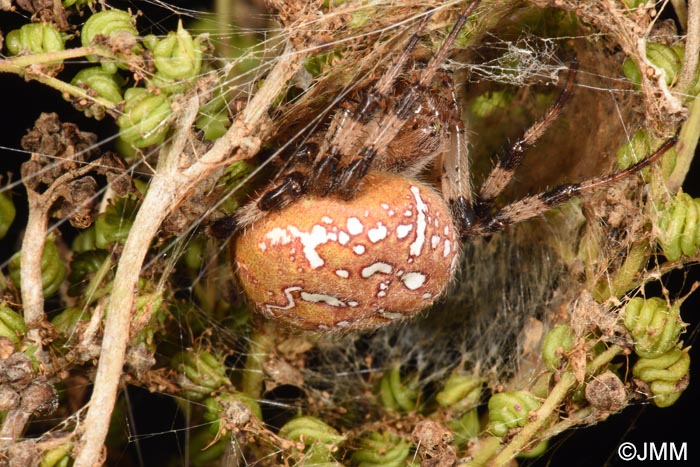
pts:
pixel 526 434
pixel 692 48
pixel 171 183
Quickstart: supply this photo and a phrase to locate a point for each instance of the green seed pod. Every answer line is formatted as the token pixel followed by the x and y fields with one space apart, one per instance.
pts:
pixel 664 57
pixel 394 394
pixel 215 407
pixel 667 375
pixel 381 450
pixel 509 410
pixel 107 23
pixel 641 145
pixel 201 373
pixel 466 427
pixel 7 213
pixel 11 324
pixel 58 457
pixel 178 60
pixel 213 118
pixel 84 241
pixel 485 104
pixel 310 431
pixel 114 224
pixel 145 118
pixel 461 392
pixel 83 265
pixel 34 38
pixel 654 326
pixel 52 269
pixel 104 84
pixel 68 319
pixel 678 227
pixel 535 451
pixel 206 449
pixel 556 343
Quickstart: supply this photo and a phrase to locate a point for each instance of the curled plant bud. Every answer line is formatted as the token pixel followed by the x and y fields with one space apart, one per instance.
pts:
pixel 460 392
pixel 381 450
pixel 235 408
pixel 105 84
pixel 83 265
pixel 34 38
pixel 653 325
pixel 641 144
pixel 666 375
pixel 114 224
pixel 178 59
pixel 84 241
pixel 556 343
pixel 201 373
pixel 52 269
pixel 509 410
pixel 68 319
pixel 213 118
pixel 678 227
pixel 11 324
pixel 7 214
pixel 311 431
pixel 664 57
pixel 58 457
pixel 485 104
pixel 117 25
pixel 394 394
pixel 145 118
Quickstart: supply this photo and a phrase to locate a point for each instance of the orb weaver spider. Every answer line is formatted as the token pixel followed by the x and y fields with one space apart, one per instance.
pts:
pixel 345 238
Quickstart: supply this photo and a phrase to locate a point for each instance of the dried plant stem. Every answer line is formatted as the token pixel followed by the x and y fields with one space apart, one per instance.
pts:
pixel 692 48
pixel 261 343
pixel 25 66
pixel 173 180
pixel 535 423
pixel 685 149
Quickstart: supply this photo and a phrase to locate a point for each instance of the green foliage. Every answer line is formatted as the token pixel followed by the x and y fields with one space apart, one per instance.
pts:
pixel 34 38
pixel 53 270
pixel 653 324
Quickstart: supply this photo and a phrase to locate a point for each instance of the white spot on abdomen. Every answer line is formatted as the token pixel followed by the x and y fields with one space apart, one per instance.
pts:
pixel 378 233
pixel 355 227
pixel 413 280
pixel 402 230
pixel 378 267
pixel 417 246
pixel 342 273
pixel 358 249
pixel 321 298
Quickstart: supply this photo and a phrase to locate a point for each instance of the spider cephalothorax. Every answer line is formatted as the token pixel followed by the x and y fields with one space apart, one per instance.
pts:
pixel 345 238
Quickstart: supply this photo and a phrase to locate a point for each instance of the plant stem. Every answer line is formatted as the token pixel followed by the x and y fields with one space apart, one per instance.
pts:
pixel 528 432
pixel 261 343
pixel 177 173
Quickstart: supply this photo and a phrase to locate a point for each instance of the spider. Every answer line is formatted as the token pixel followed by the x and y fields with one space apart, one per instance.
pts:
pixel 345 237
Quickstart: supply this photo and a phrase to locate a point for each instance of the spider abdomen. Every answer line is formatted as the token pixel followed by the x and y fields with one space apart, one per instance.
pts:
pixel 323 263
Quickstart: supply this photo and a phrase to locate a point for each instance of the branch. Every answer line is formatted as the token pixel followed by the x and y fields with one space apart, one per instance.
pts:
pixel 171 183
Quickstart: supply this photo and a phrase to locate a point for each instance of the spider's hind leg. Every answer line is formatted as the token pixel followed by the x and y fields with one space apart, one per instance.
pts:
pixel 532 206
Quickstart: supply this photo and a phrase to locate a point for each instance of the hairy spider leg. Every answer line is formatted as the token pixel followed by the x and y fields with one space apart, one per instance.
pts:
pixel 392 123
pixel 468 208
pixel 318 175
pixel 532 206
pixel 455 176
pixel 503 172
